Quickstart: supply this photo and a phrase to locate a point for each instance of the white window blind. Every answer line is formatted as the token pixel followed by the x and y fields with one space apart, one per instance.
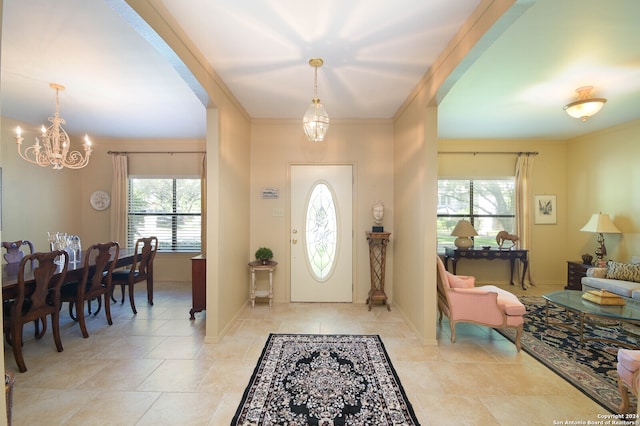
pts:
pixel 167 208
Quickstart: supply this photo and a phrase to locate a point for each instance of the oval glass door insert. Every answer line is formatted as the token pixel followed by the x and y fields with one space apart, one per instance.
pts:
pixel 321 232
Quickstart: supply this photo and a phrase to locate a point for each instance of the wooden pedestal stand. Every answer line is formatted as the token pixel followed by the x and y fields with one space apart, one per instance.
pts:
pixel 377 256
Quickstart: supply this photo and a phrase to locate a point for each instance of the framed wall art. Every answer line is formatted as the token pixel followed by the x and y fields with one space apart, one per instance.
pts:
pixel 545 210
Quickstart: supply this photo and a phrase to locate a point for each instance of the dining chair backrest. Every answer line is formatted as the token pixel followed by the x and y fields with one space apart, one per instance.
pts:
pixel 14 252
pixel 99 261
pixel 47 291
pixel 35 303
pixel 145 252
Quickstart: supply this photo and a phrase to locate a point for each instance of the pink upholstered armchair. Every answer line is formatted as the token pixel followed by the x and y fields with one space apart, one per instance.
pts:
pixel 461 301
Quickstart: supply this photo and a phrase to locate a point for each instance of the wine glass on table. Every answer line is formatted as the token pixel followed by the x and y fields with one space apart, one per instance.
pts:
pixel 60 244
pixel 52 238
pixel 74 246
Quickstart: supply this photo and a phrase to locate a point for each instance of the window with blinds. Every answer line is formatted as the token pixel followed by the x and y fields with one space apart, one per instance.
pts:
pixel 169 209
pixel 489 204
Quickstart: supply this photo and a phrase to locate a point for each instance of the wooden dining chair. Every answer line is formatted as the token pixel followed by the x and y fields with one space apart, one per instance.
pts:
pixel 14 252
pixel 41 301
pixel 99 261
pixel 13 256
pixel 141 270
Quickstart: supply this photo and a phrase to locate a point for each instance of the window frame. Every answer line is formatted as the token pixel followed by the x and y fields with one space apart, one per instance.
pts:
pixel 174 215
pixel 472 216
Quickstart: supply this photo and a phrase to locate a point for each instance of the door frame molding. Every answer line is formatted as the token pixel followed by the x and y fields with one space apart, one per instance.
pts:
pixel 354 204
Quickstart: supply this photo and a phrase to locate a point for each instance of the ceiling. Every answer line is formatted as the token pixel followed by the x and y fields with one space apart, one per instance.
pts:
pixel 122 81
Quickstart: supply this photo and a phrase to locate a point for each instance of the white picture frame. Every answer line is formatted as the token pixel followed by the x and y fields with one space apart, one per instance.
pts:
pixel 545 210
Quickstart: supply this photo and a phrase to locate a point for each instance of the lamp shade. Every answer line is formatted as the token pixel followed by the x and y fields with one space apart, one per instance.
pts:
pixel 585 106
pixel 600 223
pixel 464 228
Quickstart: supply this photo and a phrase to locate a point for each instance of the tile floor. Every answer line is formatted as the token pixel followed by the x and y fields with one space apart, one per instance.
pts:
pixel 154 369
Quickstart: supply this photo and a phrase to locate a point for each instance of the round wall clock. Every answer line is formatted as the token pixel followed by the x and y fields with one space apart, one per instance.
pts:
pixel 100 200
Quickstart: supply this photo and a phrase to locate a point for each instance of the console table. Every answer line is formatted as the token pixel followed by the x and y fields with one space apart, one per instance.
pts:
pixel 455 255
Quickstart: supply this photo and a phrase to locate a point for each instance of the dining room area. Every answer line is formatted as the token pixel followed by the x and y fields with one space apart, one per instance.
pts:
pixel 67 210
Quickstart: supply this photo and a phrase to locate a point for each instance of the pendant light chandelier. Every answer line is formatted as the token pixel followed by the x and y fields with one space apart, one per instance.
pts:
pixel 55 148
pixel 585 106
pixel 316 120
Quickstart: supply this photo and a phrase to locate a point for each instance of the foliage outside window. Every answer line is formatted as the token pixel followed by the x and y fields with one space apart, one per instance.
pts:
pixel 489 204
pixel 167 208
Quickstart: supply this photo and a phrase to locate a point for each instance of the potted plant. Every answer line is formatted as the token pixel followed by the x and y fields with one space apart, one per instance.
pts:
pixel 264 254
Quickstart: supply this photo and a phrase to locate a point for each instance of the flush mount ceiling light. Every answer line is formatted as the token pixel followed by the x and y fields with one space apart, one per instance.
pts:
pixel 585 106
pixel 56 144
pixel 316 120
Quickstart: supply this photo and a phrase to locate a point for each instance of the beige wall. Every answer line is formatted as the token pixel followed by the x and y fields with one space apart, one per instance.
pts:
pixel 228 222
pixel 547 255
pixel 275 145
pixel 604 176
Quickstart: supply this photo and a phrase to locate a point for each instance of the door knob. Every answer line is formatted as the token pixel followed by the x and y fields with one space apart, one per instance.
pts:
pixel 294 241
pixel 295 231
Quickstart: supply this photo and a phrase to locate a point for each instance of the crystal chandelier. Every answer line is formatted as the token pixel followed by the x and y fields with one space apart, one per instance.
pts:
pixel 316 120
pixel 55 148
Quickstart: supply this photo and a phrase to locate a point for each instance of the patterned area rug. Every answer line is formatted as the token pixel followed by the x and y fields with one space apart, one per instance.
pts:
pixel 324 380
pixel 590 368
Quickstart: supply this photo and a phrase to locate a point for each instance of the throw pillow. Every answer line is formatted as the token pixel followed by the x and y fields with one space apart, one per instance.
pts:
pixel 597 272
pixel 459 281
pixel 623 271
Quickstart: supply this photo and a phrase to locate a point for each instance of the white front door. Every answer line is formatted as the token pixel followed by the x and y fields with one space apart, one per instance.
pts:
pixel 321 235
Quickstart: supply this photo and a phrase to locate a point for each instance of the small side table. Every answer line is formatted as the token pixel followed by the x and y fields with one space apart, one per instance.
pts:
pixel 259 266
pixel 575 272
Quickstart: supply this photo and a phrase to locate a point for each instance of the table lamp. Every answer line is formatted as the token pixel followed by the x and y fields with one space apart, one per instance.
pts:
pixel 601 224
pixel 463 230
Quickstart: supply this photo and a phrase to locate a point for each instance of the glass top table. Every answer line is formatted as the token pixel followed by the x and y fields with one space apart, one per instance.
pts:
pixel 573 301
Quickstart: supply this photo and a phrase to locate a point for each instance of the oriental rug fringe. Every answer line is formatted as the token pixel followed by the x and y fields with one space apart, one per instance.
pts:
pixel 591 368
pixel 325 380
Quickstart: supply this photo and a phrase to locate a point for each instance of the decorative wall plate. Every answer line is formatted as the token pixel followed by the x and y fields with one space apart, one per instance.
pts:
pixel 100 200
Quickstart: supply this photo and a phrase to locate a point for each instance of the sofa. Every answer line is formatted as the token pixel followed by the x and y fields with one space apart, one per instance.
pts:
pixel 619 278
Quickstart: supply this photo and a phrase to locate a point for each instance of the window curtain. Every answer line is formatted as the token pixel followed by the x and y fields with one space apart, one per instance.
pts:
pixel 524 165
pixel 119 191
pixel 203 204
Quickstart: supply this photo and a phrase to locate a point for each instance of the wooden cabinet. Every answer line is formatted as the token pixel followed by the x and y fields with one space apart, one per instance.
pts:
pixel 198 284
pixel 575 272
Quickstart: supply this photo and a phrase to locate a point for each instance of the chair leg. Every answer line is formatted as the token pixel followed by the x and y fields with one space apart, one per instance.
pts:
pixel 518 337
pixel 73 317
pixel 39 333
pixel 99 299
pixel 150 290
pixel 624 404
pixel 122 291
pixel 55 326
pixel 81 320
pixel 16 337
pixel 453 330
pixel 131 299
pixel 107 308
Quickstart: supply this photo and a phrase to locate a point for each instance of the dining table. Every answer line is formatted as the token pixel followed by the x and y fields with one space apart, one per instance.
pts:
pixel 74 272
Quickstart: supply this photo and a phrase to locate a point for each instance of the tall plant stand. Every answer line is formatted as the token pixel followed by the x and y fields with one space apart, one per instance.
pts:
pixel 377 258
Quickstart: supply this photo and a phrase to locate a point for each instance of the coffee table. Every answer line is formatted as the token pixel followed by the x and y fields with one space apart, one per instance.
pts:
pixel 572 301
